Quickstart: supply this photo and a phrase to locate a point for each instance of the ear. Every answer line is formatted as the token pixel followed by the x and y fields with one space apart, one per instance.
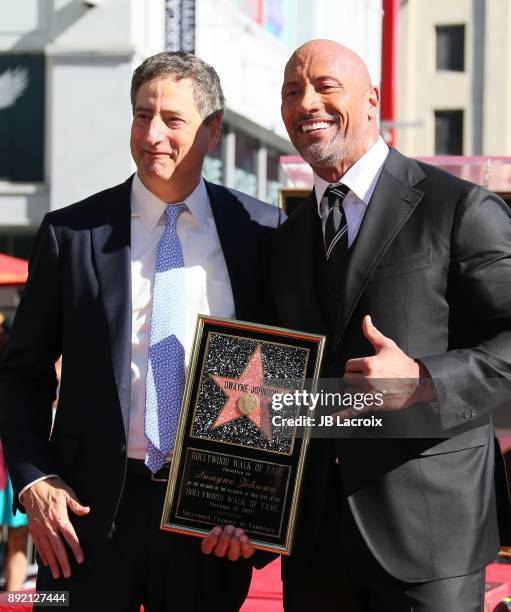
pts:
pixel 214 127
pixel 373 99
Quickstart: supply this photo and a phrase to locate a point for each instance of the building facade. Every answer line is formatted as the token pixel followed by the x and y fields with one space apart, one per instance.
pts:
pixel 454 77
pixel 65 71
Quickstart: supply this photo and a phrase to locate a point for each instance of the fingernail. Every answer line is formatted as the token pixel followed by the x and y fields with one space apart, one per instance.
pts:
pixel 79 559
pixel 229 529
pixel 217 531
pixel 238 532
pixel 244 539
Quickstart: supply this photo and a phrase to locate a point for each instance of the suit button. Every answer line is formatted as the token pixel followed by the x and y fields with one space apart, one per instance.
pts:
pixel 123 448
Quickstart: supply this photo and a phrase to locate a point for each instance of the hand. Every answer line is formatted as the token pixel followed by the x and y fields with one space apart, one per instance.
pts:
pixel 229 541
pixel 46 504
pixel 389 371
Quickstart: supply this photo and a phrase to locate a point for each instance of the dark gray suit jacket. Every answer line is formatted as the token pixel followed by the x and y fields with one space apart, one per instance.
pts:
pixel 432 266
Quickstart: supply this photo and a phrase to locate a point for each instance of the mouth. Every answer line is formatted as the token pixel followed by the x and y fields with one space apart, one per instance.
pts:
pixel 157 153
pixel 314 127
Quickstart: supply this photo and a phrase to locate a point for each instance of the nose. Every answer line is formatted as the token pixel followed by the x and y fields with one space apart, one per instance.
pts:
pixel 310 101
pixel 155 131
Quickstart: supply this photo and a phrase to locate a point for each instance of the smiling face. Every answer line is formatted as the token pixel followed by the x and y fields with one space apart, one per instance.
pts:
pixel 329 107
pixel 169 138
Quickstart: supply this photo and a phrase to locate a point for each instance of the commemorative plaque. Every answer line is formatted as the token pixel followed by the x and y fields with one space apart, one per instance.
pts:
pixel 237 460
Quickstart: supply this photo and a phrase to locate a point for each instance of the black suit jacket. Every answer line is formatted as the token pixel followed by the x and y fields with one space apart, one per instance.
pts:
pixel 77 302
pixel 431 264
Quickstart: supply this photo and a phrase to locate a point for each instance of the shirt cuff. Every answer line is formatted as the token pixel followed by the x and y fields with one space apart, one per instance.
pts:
pixel 31 484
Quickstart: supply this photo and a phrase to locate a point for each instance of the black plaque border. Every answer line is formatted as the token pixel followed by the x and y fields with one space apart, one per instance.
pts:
pixel 205 324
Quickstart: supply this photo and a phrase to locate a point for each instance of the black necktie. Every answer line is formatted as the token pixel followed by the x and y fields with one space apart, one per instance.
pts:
pixel 336 227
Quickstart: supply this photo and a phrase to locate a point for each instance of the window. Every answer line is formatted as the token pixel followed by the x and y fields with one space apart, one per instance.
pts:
pixel 22 117
pixel 212 168
pixel 245 178
pixel 272 177
pixel 450 48
pixel 449 132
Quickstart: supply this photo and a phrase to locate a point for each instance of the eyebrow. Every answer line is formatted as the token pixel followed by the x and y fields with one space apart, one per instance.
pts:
pixel 166 111
pixel 322 77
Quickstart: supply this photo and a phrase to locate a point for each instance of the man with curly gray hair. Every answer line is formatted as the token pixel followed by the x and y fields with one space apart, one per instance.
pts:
pixel 116 283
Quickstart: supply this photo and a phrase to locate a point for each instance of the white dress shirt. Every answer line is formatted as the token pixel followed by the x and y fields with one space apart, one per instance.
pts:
pixel 361 179
pixel 207 284
pixel 208 288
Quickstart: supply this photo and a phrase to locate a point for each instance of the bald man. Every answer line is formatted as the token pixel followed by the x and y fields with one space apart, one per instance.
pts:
pixel 407 270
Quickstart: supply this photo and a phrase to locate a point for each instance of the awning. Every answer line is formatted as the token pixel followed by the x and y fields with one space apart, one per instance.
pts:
pixel 13 271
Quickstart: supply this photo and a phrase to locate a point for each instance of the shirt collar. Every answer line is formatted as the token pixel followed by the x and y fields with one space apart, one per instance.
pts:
pixel 150 208
pixel 361 177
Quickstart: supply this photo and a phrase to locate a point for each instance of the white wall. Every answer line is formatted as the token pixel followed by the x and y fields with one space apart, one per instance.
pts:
pixel 356 25
pixel 251 62
pixel 89 126
pixel 91 53
pixel 248 60
pixel 91 64
pixel 90 56
pixel 31 24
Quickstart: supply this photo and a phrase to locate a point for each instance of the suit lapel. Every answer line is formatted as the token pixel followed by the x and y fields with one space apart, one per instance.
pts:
pixel 111 239
pixel 298 259
pixel 239 246
pixel 393 201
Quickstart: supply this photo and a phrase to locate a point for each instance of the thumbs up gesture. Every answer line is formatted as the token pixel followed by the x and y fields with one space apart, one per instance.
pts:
pixel 389 361
pixel 389 371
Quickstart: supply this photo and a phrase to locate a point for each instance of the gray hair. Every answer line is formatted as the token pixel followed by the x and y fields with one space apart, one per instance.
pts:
pixel 207 90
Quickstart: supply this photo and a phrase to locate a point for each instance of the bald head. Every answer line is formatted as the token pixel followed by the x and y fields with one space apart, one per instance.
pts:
pixel 342 59
pixel 329 106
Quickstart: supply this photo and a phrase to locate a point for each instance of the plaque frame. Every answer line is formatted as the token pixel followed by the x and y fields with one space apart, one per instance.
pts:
pixel 190 447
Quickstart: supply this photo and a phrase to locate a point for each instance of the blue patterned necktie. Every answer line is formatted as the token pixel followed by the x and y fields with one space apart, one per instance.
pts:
pixel 166 362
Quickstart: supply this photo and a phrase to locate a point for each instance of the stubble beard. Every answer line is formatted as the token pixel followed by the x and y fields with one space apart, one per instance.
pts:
pixel 330 154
